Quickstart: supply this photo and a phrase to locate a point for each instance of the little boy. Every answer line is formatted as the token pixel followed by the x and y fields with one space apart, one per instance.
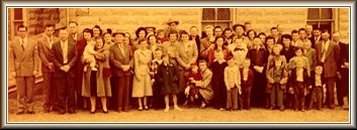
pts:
pixel 193 75
pixel 232 81
pixel 300 81
pixel 277 78
pixel 316 85
pixel 247 79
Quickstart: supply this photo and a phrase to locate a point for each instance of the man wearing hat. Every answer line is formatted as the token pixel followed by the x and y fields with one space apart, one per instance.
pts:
pixel 172 26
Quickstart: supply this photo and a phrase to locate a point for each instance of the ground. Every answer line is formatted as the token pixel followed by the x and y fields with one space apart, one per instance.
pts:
pixel 192 115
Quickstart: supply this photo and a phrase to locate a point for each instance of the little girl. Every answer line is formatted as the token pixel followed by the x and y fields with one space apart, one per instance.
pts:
pixel 167 76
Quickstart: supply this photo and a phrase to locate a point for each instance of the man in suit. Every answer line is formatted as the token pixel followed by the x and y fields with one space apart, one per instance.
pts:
pixel 73 31
pixel 121 61
pixel 275 34
pixel 316 36
pixel 328 54
pixel 303 36
pixel 64 59
pixel 24 66
pixel 45 44
pixel 343 67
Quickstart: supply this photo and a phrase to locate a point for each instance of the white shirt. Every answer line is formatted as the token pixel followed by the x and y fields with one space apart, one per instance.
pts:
pixel 50 41
pixel 64 47
pixel 318 80
pixel 300 74
pixel 324 48
pixel 24 42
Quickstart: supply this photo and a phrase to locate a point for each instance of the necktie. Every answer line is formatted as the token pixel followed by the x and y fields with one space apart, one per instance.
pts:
pixel 50 42
pixel 23 44
pixel 323 52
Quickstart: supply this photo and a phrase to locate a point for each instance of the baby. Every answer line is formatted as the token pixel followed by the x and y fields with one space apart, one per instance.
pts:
pixel 88 56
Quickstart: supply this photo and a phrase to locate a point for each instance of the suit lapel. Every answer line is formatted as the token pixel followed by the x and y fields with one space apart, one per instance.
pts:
pixel 329 49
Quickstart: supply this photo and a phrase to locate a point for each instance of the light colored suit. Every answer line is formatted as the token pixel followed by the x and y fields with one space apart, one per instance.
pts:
pixel 185 56
pixel 45 53
pixel 24 61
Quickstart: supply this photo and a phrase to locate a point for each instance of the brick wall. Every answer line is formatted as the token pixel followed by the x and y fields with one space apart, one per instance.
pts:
pixel 263 19
pixel 129 19
pixel 344 24
pixel 39 17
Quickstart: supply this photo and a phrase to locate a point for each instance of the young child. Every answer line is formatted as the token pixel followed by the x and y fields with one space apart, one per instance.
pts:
pixel 217 82
pixel 247 79
pixel 277 77
pixel 316 85
pixel 167 75
pixel 157 99
pixel 232 81
pixel 299 55
pixel 193 75
pixel 300 81
pixel 88 55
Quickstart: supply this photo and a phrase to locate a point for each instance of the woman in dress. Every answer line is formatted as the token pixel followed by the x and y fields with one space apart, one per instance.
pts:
pixel 142 83
pixel 96 82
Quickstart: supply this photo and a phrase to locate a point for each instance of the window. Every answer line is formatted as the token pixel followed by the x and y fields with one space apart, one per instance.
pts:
pixel 321 17
pixel 216 17
pixel 16 18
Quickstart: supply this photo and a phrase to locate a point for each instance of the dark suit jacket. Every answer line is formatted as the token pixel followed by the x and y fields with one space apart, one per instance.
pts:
pixel 344 54
pixel 45 51
pixel 313 42
pixel 250 80
pixel 331 59
pixel 293 81
pixel 117 59
pixel 72 56
pixel 288 53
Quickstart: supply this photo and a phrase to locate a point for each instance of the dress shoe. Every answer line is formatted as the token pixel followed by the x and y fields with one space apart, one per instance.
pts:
pixel 71 111
pixel 20 113
pixel 61 112
pixel 140 108
pixel 30 112
pixel 92 112
pixel 282 108
pixel 146 107
pixel 105 111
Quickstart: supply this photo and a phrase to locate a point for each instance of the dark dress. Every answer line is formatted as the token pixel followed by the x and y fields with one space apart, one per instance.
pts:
pixel 167 77
pixel 218 85
pixel 81 44
pixel 258 58
pixel 342 84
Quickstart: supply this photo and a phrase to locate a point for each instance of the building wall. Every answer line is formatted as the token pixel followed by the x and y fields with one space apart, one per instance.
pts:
pixel 129 19
pixel 37 18
pixel 343 24
pixel 262 19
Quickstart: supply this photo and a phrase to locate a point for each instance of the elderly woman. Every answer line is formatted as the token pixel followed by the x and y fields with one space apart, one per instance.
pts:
pixel 96 82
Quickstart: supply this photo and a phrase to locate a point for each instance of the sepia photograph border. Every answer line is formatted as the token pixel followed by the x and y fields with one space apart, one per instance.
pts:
pixel 174 4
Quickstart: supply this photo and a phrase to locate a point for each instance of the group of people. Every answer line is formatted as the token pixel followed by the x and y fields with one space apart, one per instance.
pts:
pixel 228 69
